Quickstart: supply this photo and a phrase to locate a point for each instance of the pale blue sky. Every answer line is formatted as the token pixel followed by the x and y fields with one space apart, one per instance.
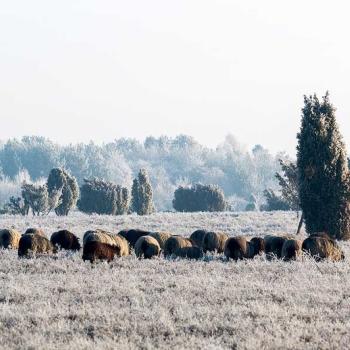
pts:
pixel 80 70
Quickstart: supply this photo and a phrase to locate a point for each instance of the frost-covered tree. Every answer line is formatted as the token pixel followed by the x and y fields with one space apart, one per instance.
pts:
pixel 102 197
pixel 36 197
pixel 142 194
pixel 323 170
pixel 64 186
pixel 199 198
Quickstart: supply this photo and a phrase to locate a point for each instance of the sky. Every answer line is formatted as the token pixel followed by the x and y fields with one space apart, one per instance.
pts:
pixel 85 70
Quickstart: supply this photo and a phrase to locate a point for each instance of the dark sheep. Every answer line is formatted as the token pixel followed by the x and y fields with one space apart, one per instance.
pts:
pixel 194 253
pixel 35 231
pixel 214 242
pixel 94 250
pixel 273 246
pixel 133 235
pixel 256 247
pixel 321 248
pixel 9 238
pixel 236 248
pixel 65 239
pixel 198 237
pixel 291 249
pixel 161 237
pixel 176 242
pixel 32 244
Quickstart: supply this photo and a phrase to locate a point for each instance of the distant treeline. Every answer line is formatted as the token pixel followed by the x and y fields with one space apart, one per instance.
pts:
pixel 170 163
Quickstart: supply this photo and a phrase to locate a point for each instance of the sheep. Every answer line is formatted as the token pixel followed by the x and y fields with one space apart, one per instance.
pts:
pixel 147 247
pixel 194 253
pixel 161 237
pixel 32 244
pixel 273 246
pixel 108 238
pixel 291 249
pixel 256 247
pixel 36 231
pixel 94 250
pixel 214 241
pixel 176 242
pixel 65 240
pixel 198 237
pixel 236 248
pixel 133 235
pixel 9 238
pixel 321 248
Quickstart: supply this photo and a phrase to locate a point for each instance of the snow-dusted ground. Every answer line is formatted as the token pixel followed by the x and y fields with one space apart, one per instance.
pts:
pixel 61 302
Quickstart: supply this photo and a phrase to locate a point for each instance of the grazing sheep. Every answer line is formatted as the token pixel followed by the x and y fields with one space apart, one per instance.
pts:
pixel 32 244
pixel 194 252
pixel 35 231
pixel 147 247
pixel 94 250
pixel 65 239
pixel 198 237
pixel 322 248
pixel 9 238
pixel 256 247
pixel 108 238
pixel 176 242
pixel 273 246
pixel 236 248
pixel 161 237
pixel 214 242
pixel 291 249
pixel 133 235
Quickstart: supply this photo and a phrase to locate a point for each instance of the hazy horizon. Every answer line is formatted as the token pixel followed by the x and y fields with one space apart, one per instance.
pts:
pixel 101 70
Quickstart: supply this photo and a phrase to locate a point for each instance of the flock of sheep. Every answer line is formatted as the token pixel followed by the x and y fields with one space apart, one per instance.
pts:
pixel 101 245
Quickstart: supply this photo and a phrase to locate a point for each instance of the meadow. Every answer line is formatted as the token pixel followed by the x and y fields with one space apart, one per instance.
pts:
pixel 60 302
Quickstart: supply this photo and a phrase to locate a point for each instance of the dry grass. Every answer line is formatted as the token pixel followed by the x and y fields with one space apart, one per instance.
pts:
pixel 62 302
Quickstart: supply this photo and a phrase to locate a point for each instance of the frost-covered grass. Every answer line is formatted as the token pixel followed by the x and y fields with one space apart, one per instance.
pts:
pixel 62 302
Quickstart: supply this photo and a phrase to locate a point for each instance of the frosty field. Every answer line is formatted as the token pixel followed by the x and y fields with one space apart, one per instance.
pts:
pixel 61 302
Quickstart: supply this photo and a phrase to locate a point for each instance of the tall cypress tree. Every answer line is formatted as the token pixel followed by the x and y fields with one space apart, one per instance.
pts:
pixel 323 170
pixel 142 194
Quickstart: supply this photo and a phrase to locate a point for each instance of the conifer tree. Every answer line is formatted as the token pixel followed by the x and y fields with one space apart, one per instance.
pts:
pixel 323 170
pixel 142 194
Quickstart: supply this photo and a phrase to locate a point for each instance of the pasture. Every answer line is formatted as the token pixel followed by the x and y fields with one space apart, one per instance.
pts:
pixel 61 302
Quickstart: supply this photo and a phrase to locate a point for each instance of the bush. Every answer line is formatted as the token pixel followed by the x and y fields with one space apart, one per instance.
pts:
pixel 274 202
pixel 36 197
pixel 142 194
pixel 101 197
pixel 324 186
pixel 61 184
pixel 199 198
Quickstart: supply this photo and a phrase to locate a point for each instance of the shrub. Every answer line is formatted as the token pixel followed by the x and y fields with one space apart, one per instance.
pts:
pixel 64 186
pixel 324 185
pixel 36 197
pixel 142 194
pixel 199 198
pixel 274 202
pixel 102 197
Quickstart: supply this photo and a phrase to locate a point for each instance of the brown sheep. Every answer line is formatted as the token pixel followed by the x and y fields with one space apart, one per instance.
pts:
pixel 147 247
pixel 256 247
pixel 176 242
pixel 133 235
pixel 161 237
pixel 9 238
pixel 236 248
pixel 65 239
pixel 273 246
pixel 291 249
pixel 99 251
pixel 214 242
pixel 194 253
pixel 32 244
pixel 198 237
pixel 35 231
pixel 322 248
pixel 108 238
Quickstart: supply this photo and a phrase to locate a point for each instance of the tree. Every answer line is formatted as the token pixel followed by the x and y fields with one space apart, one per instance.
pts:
pixel 199 198
pixel 274 202
pixel 324 186
pixel 15 206
pixel 102 197
pixel 142 194
pixel 36 197
pixel 60 183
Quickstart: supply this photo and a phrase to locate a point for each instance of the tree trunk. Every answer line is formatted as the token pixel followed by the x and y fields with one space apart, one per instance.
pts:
pixel 300 223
